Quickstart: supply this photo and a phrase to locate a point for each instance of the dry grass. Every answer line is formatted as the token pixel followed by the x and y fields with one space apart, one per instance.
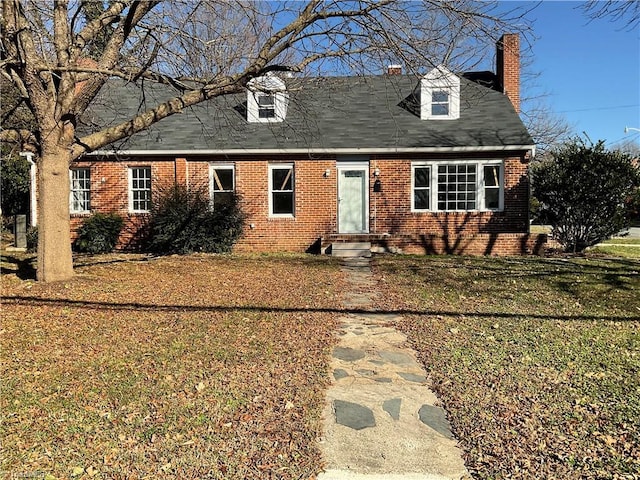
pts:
pixel 537 361
pixel 178 367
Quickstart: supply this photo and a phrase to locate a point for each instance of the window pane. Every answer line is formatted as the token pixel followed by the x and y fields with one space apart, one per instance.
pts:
pixel 492 176
pixel 222 198
pixel 421 177
pixel 222 179
pixel 492 198
pixel 440 109
pixel 440 96
pixel 265 100
pixel 266 113
pixel 282 203
pixel 282 178
pixel 421 200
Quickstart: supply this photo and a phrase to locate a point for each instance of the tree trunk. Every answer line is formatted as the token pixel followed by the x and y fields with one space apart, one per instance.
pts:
pixel 55 261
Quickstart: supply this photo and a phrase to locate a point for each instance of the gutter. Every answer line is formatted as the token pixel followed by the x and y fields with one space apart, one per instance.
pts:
pixel 337 151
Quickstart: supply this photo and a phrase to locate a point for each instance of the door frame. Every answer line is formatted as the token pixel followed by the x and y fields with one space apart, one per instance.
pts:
pixel 360 165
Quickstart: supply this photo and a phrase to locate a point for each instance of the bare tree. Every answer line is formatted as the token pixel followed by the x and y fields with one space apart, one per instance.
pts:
pixel 548 129
pixel 629 146
pixel 625 11
pixel 60 54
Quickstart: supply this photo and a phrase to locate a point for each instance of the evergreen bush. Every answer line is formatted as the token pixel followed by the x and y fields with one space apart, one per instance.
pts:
pixel 99 233
pixel 582 191
pixel 184 221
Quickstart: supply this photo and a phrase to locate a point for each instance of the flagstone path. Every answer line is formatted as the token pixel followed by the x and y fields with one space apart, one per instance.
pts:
pixel 381 420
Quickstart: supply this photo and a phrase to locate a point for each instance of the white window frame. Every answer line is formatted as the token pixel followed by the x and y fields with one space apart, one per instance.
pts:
pixel 479 190
pixel 415 166
pixel 281 166
pixel 212 179
pixel 500 186
pixel 266 110
pixel 440 79
pixel 75 186
pixel 137 189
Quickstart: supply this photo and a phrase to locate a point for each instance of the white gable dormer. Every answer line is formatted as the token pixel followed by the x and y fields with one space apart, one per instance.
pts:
pixel 440 95
pixel 267 100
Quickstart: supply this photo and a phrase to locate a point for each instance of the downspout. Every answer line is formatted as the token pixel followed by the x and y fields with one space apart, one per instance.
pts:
pixel 32 188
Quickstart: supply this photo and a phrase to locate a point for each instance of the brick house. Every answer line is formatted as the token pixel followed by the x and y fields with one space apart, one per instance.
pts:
pixel 436 164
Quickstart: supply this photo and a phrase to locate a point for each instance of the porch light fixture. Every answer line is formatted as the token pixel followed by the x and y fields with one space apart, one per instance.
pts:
pixel 376 172
pixel 327 173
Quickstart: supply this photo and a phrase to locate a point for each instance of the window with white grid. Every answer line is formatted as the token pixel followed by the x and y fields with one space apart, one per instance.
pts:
pixel 80 190
pixel 457 187
pixel 139 189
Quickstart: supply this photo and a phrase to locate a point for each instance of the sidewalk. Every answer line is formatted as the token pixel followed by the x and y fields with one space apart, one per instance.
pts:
pixel 381 421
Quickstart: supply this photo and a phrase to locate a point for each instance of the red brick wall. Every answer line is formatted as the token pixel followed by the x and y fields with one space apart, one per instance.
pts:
pixel 315 201
pixel 391 208
pixel 316 204
pixel 109 191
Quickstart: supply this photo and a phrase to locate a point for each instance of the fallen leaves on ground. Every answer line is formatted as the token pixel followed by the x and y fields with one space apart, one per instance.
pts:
pixel 201 366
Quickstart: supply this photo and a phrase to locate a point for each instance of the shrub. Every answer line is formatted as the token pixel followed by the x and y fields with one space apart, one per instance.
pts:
pixel 99 233
pixel 14 184
pixel 582 190
pixel 185 221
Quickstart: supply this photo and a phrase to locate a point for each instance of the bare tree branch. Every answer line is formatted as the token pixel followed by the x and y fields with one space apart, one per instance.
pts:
pixel 625 11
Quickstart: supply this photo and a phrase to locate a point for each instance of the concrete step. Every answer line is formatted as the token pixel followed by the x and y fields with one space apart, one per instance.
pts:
pixel 351 249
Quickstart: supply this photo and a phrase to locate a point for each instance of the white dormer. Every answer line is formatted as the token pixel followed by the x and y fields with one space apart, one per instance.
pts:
pixel 267 100
pixel 440 95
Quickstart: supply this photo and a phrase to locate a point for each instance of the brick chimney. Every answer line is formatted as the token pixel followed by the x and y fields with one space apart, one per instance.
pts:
pixel 394 70
pixel 508 67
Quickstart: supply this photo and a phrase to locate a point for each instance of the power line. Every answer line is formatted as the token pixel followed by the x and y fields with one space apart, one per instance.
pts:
pixel 599 108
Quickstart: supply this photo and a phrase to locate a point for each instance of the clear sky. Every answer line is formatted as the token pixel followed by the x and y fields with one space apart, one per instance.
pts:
pixel 590 68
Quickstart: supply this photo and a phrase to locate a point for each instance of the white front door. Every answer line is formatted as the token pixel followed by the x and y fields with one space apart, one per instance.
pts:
pixel 353 199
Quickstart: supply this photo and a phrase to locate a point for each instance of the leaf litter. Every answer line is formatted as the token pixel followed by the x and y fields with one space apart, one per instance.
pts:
pixel 201 366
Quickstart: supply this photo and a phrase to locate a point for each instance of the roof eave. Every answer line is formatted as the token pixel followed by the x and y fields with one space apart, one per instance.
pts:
pixel 325 151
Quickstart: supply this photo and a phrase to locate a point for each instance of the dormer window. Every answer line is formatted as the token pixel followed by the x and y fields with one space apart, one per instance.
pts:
pixel 440 103
pixel 266 100
pixel 266 105
pixel 439 95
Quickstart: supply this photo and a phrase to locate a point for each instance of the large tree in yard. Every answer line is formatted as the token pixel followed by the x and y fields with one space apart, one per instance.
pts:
pixel 58 56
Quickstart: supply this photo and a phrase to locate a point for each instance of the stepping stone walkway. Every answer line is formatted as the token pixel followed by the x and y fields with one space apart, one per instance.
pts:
pixel 381 420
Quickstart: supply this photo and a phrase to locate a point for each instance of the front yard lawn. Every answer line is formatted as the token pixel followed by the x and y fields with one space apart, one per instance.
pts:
pixel 179 367
pixel 537 361
pixel 211 366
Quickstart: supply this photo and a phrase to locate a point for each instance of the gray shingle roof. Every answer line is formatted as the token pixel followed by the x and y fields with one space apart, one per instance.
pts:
pixel 328 113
